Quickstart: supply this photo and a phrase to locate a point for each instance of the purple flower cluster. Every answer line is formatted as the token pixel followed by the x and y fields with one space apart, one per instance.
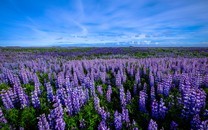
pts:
pixel 122 97
pixel 7 102
pixel 43 123
pixel 108 94
pixel 35 99
pixel 100 90
pixel 142 101
pixel 2 118
pixel 117 120
pixel 125 115
pixel 128 96
pixel 49 91
pixel 159 110
pixel 56 115
pixel 71 84
pixel 193 101
pixel 103 126
pixel 152 125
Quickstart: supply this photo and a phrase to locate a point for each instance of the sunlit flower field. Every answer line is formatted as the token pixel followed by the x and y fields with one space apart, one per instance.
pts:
pixel 104 88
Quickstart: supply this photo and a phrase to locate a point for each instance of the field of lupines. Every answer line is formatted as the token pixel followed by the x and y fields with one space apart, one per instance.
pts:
pixel 104 88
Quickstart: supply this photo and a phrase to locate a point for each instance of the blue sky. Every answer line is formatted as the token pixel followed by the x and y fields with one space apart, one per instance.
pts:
pixel 104 22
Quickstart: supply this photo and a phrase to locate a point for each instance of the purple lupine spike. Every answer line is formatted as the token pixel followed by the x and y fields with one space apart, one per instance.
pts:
pixel 108 94
pixel 135 89
pixel 60 80
pixel 82 123
pixel 67 82
pixel 137 77
pixel 204 125
pixel 155 107
pixel 103 77
pixel 117 120
pixel 205 114
pixel 100 90
pixel 152 94
pixel 68 104
pixel 37 83
pixel 35 99
pixel 142 101
pixel 92 88
pixel 162 109
pixel 166 88
pixel 193 101
pixel 173 125
pixel 152 125
pixel 60 94
pixel 160 88
pixel 56 115
pixel 125 115
pixel 128 96
pixel 6 100
pixel 2 118
pixel 151 77
pixel 195 123
pixel 145 87
pixel 24 77
pixel 118 80
pixel 96 102
pixel 49 92
pixel 23 98
pixel 76 82
pixel 122 97
pixel 43 123
pixel 103 126
pixel 103 113
pixel 159 110
pixel 75 100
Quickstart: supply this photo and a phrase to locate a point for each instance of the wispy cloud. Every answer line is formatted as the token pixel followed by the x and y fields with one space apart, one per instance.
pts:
pixel 132 22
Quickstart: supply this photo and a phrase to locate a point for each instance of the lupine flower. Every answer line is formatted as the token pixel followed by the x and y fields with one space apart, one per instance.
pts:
pixel 43 123
pixel 2 118
pixel 23 98
pixel 128 96
pixel 75 100
pixel 152 94
pixel 173 125
pixel 118 80
pixel 82 124
pixel 35 99
pixel 99 89
pixel 195 123
pixel 142 101
pixel 122 97
pixel 162 109
pixel 155 112
pixel 69 106
pixel 6 100
pixel 152 125
pixel 103 126
pixel 96 102
pixel 159 110
pixel 49 91
pixel 117 120
pixel 56 115
pixel 108 94
pixel 193 101
pixel 204 125
pixel 125 115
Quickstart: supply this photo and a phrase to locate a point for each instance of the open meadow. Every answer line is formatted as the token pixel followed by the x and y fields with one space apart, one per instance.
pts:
pixel 104 88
